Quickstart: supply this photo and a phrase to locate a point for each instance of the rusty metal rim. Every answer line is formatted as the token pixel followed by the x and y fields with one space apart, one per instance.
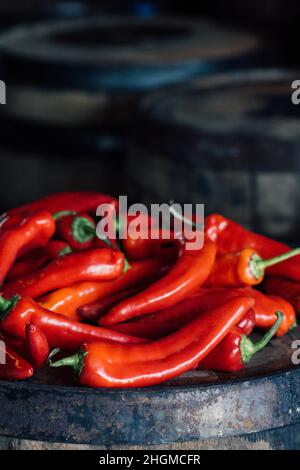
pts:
pixel 246 407
pixel 154 390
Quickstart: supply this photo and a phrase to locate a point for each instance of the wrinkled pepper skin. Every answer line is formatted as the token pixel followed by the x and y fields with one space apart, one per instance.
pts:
pixel 37 346
pixel 15 368
pixel 100 365
pixel 92 265
pixel 67 300
pixel 190 272
pixel 34 231
pixel 59 330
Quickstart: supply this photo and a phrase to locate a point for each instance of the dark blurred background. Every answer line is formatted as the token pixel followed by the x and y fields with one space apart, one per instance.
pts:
pixel 129 97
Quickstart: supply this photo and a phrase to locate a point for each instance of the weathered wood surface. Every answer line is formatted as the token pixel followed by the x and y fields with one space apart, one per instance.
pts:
pixel 202 409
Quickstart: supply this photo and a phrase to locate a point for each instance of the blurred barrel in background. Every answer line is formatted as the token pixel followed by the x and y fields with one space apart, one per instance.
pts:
pixel 13 12
pixel 231 142
pixel 71 83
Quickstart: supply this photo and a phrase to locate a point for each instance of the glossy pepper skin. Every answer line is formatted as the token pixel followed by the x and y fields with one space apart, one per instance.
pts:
pixel 15 368
pixel 59 330
pixel 236 349
pixel 95 310
pixel 158 328
pixel 190 271
pixel 264 308
pixel 205 299
pixel 151 241
pixel 77 201
pixel 289 290
pixel 16 345
pixel 232 237
pixel 34 231
pixel 37 345
pixel 38 258
pixel 243 268
pixel 78 230
pixel 92 265
pixel 99 365
pixel 67 300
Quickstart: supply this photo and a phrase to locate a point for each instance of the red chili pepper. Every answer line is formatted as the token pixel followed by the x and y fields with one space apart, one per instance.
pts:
pixel 99 365
pixel 243 268
pixel 78 231
pixel 37 346
pixel 77 201
pixel 157 327
pixel 94 310
pixel 15 368
pixel 206 299
pixel 190 271
pixel 150 241
pixel 15 344
pixel 232 237
pixel 38 258
pixel 34 231
pixel 236 349
pixel 67 300
pixel 59 330
pixel 289 290
pixel 93 265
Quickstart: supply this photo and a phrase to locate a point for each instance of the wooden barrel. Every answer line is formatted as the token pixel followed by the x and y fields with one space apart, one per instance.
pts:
pixel 230 142
pixel 91 70
pixel 257 408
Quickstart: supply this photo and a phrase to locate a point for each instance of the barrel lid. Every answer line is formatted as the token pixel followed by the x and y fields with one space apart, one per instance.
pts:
pixel 129 44
pixel 265 395
pixel 244 103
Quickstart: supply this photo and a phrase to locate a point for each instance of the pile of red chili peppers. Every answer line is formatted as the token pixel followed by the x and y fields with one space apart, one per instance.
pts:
pixel 140 312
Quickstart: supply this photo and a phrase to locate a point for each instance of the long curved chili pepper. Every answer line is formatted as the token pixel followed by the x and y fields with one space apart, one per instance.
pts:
pixel 38 258
pixel 15 367
pixel 99 365
pixel 209 298
pixel 158 329
pixel 232 237
pixel 34 231
pixel 77 201
pixel 67 300
pixel 94 310
pixel 237 349
pixel 243 268
pixel 37 345
pixel 78 230
pixel 190 271
pixel 60 331
pixel 92 265
pixel 264 308
pixel 289 290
